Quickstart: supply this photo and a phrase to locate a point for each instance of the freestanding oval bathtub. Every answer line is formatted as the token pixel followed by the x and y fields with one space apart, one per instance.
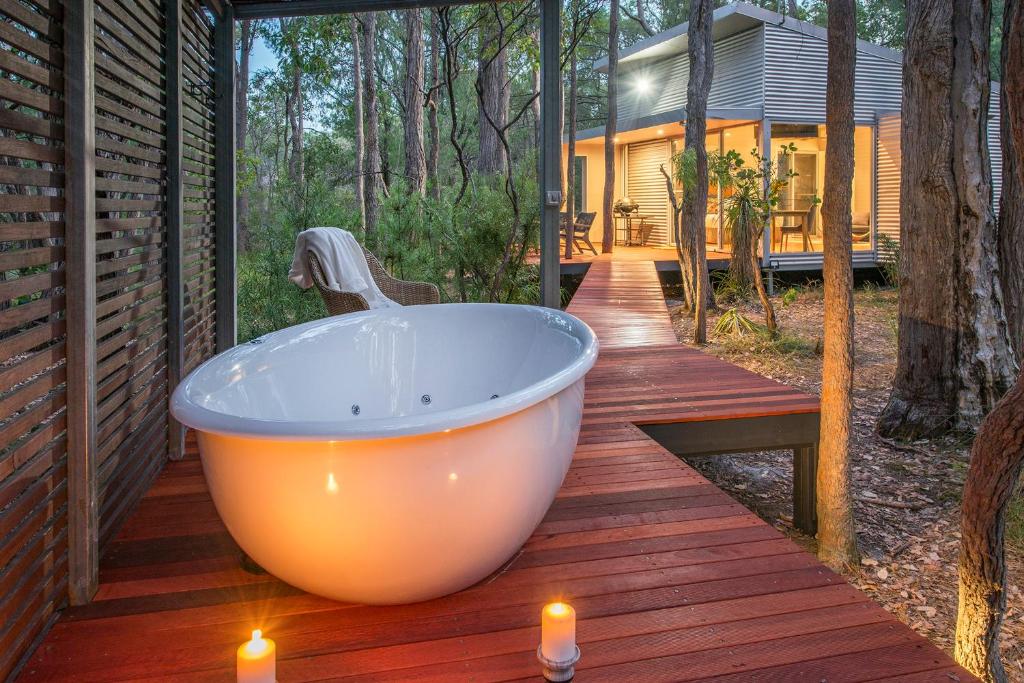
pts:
pixel 395 455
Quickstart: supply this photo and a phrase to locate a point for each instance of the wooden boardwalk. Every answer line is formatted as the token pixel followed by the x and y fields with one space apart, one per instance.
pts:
pixel 672 579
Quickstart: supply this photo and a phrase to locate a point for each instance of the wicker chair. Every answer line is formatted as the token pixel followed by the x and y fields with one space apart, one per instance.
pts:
pixel 400 291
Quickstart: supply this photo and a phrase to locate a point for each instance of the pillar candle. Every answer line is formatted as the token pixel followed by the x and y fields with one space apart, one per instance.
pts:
pixel 257 660
pixel 558 632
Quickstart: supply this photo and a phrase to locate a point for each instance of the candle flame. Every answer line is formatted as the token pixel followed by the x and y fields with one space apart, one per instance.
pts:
pixel 257 645
pixel 557 609
pixel 454 476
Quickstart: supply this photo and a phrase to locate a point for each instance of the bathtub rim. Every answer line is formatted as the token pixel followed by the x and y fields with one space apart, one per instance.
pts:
pixel 192 415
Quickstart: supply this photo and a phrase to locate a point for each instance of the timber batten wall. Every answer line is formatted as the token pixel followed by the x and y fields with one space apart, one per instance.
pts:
pixel 84 427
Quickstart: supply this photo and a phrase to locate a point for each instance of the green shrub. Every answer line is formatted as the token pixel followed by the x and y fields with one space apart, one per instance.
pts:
pixel 889 259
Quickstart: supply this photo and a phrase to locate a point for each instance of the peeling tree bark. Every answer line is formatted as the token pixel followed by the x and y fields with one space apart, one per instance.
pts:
pixel 415 163
pixel 608 235
pixel 837 539
pixel 695 204
pixel 996 459
pixel 1011 211
pixel 954 358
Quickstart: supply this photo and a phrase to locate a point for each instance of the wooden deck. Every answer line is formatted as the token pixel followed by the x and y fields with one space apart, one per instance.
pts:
pixel 671 579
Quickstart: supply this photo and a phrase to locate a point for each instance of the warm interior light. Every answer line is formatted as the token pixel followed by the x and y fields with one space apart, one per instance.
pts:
pixel 728 134
pixel 661 131
pixel 332 484
pixel 257 645
pixel 453 476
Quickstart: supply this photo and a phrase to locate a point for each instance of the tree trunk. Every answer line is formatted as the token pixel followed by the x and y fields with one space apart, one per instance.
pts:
pixel 373 181
pixel 1011 211
pixel 494 100
pixel 740 270
pixel 357 120
pixel 684 250
pixel 296 162
pixel 434 144
pixel 415 164
pixel 246 38
pixel 837 538
pixel 695 205
pixel 996 459
pixel 535 90
pixel 954 359
pixel 570 171
pixel 608 199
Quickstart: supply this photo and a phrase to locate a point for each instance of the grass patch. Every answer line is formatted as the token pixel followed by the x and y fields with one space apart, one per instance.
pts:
pixel 782 345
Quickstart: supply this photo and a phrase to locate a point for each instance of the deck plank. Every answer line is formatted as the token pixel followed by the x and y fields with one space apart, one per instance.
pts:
pixel 671 578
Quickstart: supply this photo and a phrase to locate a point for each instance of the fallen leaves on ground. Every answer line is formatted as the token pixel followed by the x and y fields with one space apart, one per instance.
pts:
pixel 906 495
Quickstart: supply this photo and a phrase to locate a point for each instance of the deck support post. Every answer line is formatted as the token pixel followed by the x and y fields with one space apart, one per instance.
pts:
pixel 549 159
pixel 80 255
pixel 805 498
pixel 224 180
pixel 175 221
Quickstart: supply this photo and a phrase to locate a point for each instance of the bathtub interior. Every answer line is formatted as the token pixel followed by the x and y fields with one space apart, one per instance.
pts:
pixel 389 364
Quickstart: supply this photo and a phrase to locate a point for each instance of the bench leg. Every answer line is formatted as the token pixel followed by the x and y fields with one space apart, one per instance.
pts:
pixel 805 500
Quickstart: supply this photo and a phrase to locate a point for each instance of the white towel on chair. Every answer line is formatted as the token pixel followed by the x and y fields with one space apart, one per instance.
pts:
pixel 342 262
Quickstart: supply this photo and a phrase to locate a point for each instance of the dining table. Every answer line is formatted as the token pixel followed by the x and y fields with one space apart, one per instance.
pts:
pixel 624 225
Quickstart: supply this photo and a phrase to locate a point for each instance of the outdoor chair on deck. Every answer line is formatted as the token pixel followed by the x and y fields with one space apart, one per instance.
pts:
pixel 400 291
pixel 580 230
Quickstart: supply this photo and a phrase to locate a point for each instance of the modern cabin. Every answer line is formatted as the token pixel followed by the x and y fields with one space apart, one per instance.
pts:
pixel 768 90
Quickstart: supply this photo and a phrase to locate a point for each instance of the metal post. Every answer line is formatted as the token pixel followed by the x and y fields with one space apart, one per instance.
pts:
pixel 766 152
pixel 175 218
pixel 224 177
pixel 80 248
pixel 549 157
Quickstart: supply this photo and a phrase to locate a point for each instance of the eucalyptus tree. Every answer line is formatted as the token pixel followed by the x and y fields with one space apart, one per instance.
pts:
pixel 954 356
pixel 837 538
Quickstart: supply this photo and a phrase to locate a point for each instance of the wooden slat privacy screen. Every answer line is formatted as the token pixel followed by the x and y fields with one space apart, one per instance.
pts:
pixel 134 283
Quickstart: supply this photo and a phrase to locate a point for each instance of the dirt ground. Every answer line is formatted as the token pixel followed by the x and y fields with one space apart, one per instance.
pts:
pixel 907 495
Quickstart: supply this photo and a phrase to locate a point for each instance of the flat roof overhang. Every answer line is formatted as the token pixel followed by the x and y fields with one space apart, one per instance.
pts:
pixel 675 116
pixel 267 9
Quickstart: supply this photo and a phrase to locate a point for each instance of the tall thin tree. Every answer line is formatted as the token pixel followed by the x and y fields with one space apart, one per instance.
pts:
pixel 837 538
pixel 373 184
pixel 695 200
pixel 357 119
pixel 954 357
pixel 493 101
pixel 247 37
pixel 434 134
pixel 998 452
pixel 415 163
pixel 608 234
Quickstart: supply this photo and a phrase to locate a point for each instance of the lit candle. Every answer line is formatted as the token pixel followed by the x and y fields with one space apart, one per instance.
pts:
pixel 257 660
pixel 558 632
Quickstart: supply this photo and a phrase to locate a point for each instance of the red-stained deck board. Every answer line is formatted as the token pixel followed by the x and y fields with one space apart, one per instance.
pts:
pixel 671 578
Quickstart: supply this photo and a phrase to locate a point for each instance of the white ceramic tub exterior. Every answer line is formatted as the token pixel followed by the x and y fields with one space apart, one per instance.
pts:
pixel 395 455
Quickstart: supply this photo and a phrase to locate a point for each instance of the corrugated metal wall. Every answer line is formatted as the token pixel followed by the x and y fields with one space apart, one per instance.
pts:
pixel 33 400
pixel 132 252
pixel 646 186
pixel 738 56
pixel 887 190
pixel 796 70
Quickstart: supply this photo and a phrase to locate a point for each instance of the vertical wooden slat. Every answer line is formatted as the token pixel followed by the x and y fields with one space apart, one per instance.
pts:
pixel 550 158
pixel 80 243
pixel 175 218
pixel 224 86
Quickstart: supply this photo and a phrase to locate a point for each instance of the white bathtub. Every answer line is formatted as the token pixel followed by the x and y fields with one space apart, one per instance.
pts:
pixel 395 455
